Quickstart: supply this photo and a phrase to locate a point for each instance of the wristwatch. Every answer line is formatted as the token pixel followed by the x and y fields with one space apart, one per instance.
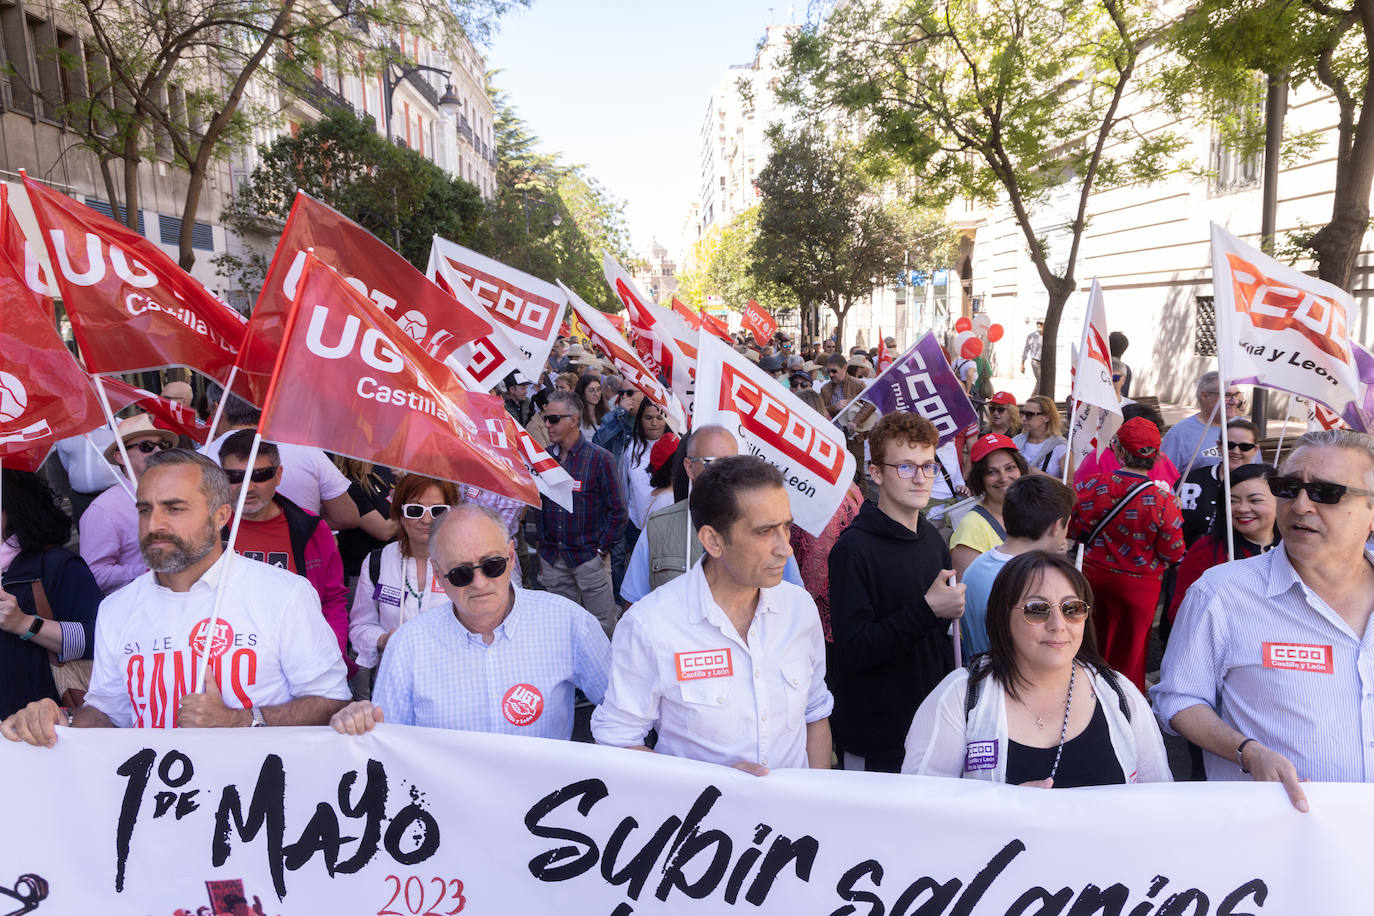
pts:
pixel 258 720
pixel 33 629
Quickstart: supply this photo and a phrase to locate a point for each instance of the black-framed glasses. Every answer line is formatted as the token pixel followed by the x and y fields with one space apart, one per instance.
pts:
pixel 1027 414
pixel 552 418
pixel 462 575
pixel 906 470
pixel 420 510
pixel 1235 398
pixel 148 446
pixel 259 475
pixel 1246 447
pixel 1037 612
pixel 1319 491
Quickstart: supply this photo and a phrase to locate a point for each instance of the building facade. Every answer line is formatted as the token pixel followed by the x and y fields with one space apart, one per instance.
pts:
pixel 656 273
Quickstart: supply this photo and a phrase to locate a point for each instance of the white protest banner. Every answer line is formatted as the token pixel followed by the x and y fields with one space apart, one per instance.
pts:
pixel 527 308
pixel 1096 405
pixel 1280 328
pixel 663 340
pixel 774 424
pixel 630 367
pixel 416 821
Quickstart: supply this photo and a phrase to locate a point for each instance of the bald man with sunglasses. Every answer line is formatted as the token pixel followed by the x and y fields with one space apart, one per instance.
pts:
pixel 1270 668
pixel 504 660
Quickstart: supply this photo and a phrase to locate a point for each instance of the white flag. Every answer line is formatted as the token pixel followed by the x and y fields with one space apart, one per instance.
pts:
pixel 627 363
pixel 777 426
pixel 1280 328
pixel 1096 406
pixel 525 308
pixel 550 477
pixel 662 339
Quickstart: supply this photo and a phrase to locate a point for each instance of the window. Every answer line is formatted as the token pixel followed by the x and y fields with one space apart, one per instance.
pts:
pixel 99 206
pixel 169 232
pixel 1235 169
pixel 1205 334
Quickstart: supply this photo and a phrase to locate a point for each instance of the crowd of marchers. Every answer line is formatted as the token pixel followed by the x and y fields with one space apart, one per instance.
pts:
pixel 977 608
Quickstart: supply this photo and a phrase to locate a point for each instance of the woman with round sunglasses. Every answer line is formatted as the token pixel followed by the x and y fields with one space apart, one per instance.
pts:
pixel 1041 708
pixel 1254 511
pixel 1200 493
pixel 396 582
pixel 1042 441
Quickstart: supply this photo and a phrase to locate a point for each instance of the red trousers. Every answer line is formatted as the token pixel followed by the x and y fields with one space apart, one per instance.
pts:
pixel 1123 612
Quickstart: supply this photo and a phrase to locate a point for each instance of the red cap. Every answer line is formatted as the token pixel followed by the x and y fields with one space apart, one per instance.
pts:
pixel 1002 397
pixel 1139 437
pixel 988 443
pixel 662 451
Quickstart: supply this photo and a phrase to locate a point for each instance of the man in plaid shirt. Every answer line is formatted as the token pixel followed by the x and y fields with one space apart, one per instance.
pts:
pixel 575 547
pixel 1126 561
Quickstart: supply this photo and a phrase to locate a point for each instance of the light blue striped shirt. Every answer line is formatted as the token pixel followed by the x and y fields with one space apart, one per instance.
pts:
pixel 438 674
pixel 1278 665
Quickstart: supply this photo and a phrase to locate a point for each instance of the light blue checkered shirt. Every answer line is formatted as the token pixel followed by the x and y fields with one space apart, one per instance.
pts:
pixel 436 673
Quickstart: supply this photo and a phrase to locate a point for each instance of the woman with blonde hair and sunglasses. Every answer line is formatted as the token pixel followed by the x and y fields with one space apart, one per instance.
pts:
pixel 1041 708
pixel 396 582
pixel 1042 441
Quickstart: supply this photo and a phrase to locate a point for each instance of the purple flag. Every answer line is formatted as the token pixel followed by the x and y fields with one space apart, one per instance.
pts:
pixel 1359 413
pixel 920 381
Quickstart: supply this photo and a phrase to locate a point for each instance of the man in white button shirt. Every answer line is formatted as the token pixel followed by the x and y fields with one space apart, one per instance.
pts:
pixel 272 657
pixel 727 662
pixel 1270 668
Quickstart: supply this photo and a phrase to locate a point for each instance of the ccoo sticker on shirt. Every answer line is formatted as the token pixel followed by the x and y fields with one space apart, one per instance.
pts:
pixel 387 594
pixel 577 485
pixel 522 704
pixel 693 666
pixel 1298 657
pixel 980 755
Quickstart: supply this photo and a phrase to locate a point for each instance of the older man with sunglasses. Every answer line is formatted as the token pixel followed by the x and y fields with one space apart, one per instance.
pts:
pixel 1270 669
pixel 505 660
pixel 109 527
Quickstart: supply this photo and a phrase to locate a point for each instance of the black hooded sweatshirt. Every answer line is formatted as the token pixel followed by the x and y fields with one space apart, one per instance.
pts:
pixel 890 650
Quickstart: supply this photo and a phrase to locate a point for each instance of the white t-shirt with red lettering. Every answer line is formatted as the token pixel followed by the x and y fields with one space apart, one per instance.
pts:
pixel 271 644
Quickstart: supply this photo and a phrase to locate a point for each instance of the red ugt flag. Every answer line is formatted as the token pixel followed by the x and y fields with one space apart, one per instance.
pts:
pixel 131 307
pixel 16 246
pixel 165 414
pixel 44 394
pixel 349 381
pixel 431 318
pixel 757 321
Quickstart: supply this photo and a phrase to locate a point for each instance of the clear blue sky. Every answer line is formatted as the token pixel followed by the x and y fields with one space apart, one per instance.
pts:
pixel 622 87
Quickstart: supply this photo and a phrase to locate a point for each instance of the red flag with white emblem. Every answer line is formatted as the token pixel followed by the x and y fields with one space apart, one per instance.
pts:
pixel 349 381
pixel 663 339
pixel 431 318
pixel 758 322
pixel 169 415
pixel 1096 405
pixel 692 318
pixel 22 255
pixel 131 307
pixel 717 327
pixel 45 395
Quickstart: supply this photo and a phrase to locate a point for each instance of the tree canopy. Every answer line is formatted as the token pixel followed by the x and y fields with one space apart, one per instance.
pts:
pixel 721 266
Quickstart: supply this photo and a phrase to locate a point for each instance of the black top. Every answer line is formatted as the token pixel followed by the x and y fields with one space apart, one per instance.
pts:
pixel 373 495
pixel 1198 498
pixel 25 671
pixel 1088 760
pixel 889 650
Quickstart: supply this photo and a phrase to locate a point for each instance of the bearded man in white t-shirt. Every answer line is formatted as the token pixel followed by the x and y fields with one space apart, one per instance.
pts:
pixel 273 659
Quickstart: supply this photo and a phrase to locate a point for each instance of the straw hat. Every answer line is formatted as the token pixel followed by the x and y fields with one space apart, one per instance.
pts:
pixel 139 426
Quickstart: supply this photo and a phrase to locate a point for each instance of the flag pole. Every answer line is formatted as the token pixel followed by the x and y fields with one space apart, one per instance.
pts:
pixel 223 399
pixel 1225 463
pixel 1221 396
pixel 114 428
pixel 1288 415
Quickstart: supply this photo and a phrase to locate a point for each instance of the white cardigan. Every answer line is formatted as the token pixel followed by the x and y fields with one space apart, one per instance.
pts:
pixel 380 608
pixel 942 743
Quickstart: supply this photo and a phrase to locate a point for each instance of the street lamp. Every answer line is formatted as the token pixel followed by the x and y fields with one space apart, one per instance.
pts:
pixel 449 103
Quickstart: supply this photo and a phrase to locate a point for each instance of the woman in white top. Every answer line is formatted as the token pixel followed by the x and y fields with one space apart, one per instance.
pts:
pixel 650 425
pixel 1040 708
pixel 1042 441
pixel 594 408
pixel 403 584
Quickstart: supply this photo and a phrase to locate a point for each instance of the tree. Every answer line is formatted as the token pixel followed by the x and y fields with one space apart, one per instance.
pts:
pixel 181 72
pixel 1008 99
pixel 1223 44
pixel 821 232
pixel 722 265
pixel 395 193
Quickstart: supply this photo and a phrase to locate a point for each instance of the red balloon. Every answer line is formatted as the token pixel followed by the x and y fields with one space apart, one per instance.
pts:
pixel 995 333
pixel 972 348
pixel 962 324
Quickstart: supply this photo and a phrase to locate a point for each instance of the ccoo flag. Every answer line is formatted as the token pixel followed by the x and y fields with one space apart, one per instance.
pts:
pixel 664 341
pixel 1280 328
pixel 347 380
pixel 777 426
pixel 1096 405
pixel 44 394
pixel 130 306
pixel 920 381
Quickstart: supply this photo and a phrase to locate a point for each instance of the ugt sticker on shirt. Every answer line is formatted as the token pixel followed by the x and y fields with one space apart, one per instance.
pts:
pixel 1298 657
pixel 693 666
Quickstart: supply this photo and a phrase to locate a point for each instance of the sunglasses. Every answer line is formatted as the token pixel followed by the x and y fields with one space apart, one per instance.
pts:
pixel 461 576
pixel 1246 447
pixel 417 510
pixel 906 470
pixel 259 475
pixel 552 418
pixel 1319 491
pixel 1037 612
pixel 997 408
pixel 148 446
pixel 1032 413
